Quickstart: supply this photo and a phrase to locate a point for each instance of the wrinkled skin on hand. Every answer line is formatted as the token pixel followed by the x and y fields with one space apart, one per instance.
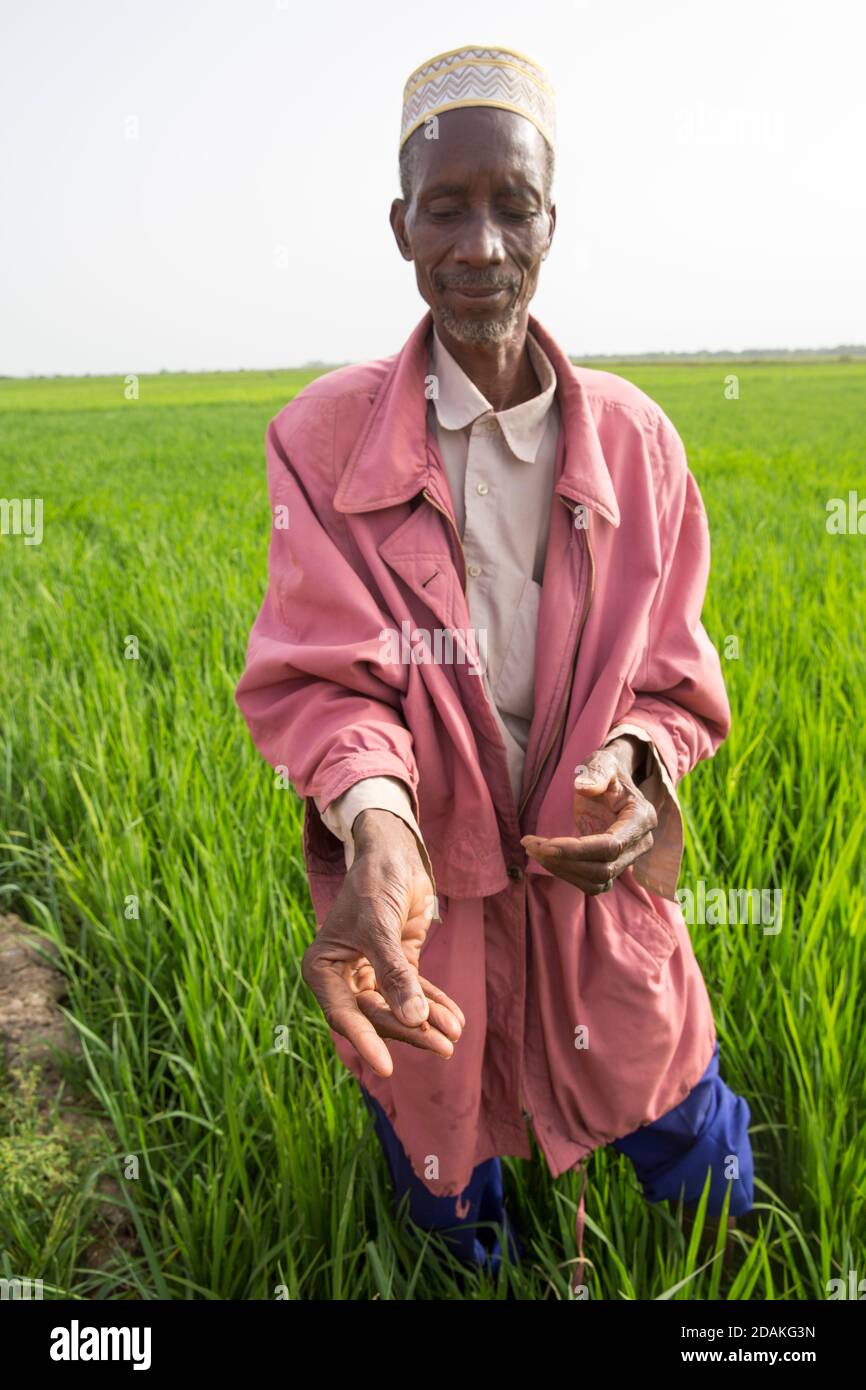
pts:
pixel 363 964
pixel 605 793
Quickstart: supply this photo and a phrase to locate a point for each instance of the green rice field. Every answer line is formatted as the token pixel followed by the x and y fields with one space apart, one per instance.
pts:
pixel 143 835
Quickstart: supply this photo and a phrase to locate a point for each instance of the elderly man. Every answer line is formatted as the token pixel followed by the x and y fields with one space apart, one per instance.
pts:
pixel 480 660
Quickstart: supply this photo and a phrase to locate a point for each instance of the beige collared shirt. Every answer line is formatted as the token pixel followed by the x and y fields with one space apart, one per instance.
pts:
pixel 501 471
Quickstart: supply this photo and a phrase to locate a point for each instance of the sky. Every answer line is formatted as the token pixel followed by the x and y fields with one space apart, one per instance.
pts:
pixel 205 184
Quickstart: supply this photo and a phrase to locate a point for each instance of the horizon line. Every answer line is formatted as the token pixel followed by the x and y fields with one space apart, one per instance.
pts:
pixel 851 351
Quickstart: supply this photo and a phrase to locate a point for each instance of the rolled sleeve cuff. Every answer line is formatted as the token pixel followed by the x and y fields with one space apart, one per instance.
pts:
pixel 374 794
pixel 659 869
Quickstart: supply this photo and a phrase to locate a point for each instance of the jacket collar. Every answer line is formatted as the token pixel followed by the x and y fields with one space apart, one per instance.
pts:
pixel 390 460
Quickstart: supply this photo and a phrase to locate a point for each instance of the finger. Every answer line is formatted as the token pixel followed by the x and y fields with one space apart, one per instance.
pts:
pixel 340 1007
pixel 577 874
pixel 434 992
pixel 582 874
pixel 387 1025
pixel 627 829
pixel 584 848
pixel 594 874
pixel 447 1022
pixel 594 877
pixel 602 871
pixel 596 775
pixel 363 978
pixel 556 864
pixel 628 856
pixel 396 979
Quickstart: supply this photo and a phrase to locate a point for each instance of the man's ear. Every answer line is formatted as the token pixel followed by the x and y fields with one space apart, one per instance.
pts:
pixel 551 212
pixel 398 227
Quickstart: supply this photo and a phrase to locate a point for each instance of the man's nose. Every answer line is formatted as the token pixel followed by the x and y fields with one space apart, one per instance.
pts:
pixel 480 242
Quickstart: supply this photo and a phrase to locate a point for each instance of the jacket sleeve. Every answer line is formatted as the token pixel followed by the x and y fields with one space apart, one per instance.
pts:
pixel 373 793
pixel 318 694
pixel 680 707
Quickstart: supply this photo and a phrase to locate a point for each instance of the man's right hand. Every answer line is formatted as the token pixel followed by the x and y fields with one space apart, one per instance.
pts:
pixel 363 964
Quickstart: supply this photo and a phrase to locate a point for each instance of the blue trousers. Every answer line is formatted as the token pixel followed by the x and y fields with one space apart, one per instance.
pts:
pixel 670 1155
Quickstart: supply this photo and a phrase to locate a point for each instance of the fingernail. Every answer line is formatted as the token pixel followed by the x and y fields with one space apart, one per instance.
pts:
pixel 414 1010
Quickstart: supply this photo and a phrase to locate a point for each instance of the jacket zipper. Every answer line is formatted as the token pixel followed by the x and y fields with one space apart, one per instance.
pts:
pixel 449 518
pixel 524 1102
pixel 590 592
pixel 570 682
pixel 522 1094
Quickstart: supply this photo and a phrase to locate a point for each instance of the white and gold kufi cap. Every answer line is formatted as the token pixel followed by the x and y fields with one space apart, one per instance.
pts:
pixel 479 76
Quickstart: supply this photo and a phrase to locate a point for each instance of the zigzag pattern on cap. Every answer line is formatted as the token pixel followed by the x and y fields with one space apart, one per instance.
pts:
pixel 479 77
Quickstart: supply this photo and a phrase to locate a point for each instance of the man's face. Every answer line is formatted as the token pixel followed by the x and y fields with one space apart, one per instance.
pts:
pixel 477 227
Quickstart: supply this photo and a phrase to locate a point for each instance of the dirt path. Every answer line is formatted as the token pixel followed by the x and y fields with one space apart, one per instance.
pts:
pixel 32 987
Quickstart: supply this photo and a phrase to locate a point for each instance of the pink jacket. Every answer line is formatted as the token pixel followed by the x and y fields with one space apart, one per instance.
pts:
pixel 589 1015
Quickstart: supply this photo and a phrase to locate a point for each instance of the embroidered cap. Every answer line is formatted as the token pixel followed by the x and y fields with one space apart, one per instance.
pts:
pixel 479 76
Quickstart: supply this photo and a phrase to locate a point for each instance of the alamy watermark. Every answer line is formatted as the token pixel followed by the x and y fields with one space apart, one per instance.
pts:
pixel 854 1287
pixel 77 1343
pixel 22 516
pixel 23 1289
pixel 846 516
pixel 446 646
pixel 732 907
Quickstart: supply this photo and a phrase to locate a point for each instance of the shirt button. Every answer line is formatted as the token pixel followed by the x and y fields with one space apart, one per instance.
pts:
pixel 515 871
pixel 483 489
pixel 475 570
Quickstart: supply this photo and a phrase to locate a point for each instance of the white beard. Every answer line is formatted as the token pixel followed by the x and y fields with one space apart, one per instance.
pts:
pixel 478 330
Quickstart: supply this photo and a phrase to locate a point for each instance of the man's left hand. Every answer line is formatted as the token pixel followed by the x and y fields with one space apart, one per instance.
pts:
pixel 606 783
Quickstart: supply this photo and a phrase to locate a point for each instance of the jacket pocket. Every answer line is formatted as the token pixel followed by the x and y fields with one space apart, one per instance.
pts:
pixel 631 908
pixel 515 686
